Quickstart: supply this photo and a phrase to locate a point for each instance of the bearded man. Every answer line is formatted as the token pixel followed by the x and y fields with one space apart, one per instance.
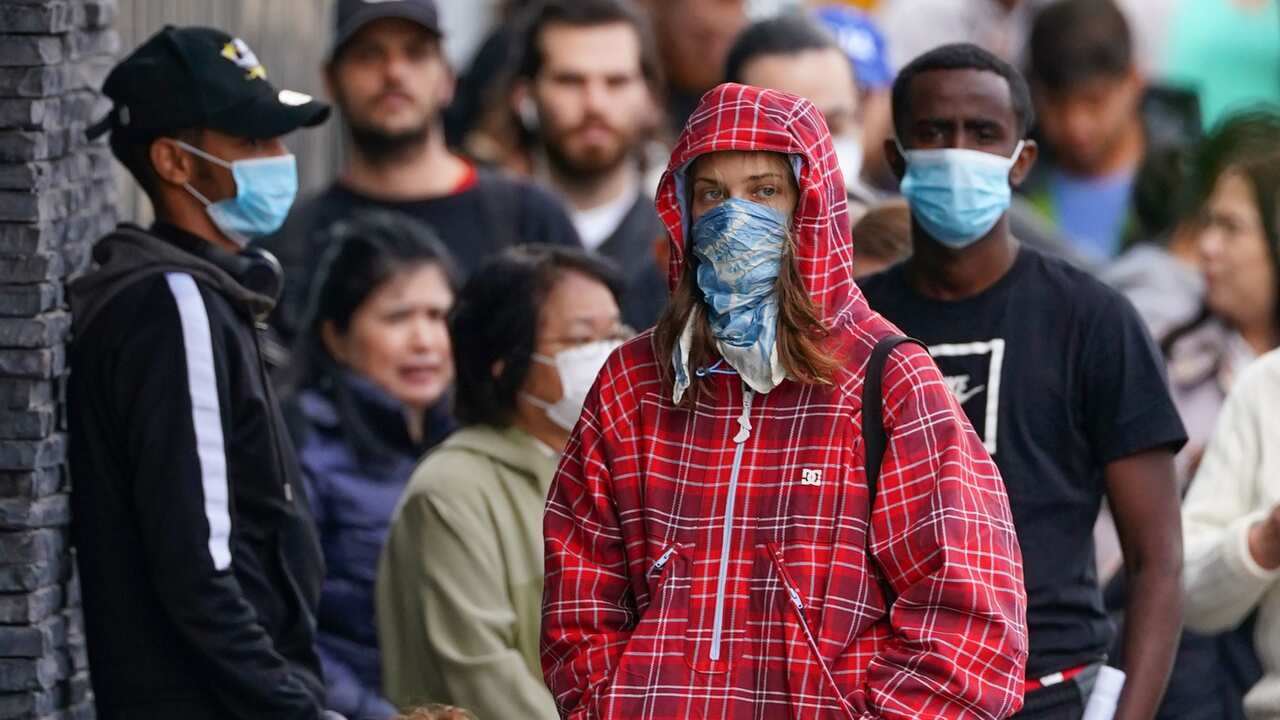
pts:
pixel 388 76
pixel 586 93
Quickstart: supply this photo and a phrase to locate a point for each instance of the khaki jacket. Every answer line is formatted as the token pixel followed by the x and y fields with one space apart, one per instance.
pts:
pixel 459 591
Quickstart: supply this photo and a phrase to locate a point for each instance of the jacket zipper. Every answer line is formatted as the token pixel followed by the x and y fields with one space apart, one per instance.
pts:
pixel 260 327
pixel 797 604
pixel 744 434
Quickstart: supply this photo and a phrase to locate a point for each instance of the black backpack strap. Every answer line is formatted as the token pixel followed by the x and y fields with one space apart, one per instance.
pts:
pixel 874 441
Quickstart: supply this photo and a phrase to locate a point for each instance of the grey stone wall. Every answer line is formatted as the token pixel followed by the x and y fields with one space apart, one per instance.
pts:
pixel 56 197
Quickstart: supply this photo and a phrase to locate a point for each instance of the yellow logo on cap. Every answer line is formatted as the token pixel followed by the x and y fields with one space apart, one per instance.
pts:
pixel 238 52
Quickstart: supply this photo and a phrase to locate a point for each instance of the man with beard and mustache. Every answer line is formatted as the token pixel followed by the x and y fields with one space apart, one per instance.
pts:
pixel 389 78
pixel 587 86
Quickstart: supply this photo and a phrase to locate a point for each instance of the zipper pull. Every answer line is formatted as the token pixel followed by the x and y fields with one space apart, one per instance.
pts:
pixel 288 492
pixel 744 420
pixel 662 560
pixel 795 598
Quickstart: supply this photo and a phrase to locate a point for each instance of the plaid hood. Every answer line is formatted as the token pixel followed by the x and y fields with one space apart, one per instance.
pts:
pixel 742 117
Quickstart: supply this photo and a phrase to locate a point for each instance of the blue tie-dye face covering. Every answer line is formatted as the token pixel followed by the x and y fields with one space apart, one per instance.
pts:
pixel 739 246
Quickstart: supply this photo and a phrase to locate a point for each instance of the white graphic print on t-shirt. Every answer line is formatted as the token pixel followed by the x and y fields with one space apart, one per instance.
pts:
pixel 972 371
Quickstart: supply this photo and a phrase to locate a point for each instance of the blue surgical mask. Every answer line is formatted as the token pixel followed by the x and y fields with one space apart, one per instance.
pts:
pixel 739 245
pixel 265 190
pixel 957 195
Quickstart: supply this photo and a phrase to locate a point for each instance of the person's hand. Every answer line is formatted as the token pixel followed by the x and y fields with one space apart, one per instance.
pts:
pixel 1264 540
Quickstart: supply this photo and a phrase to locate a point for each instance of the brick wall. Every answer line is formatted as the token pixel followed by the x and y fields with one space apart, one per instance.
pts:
pixel 56 197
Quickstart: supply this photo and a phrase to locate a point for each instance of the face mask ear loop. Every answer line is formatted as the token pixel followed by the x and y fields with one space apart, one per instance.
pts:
pixel 537 402
pixel 200 153
pixel 235 237
pixel 1013 160
pixel 199 196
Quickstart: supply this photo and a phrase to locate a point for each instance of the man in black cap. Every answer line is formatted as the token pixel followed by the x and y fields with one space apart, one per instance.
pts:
pixel 198 557
pixel 390 80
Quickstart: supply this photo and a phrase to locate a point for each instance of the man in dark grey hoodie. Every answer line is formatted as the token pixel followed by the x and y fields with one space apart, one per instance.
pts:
pixel 198 557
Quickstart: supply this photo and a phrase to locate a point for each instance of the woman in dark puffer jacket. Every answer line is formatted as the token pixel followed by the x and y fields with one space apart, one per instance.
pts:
pixel 369 397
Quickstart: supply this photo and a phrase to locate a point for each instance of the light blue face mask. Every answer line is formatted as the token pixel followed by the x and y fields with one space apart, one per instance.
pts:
pixel 739 246
pixel 265 190
pixel 957 195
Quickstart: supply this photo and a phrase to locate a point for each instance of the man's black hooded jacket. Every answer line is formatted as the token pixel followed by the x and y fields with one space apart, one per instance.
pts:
pixel 198 558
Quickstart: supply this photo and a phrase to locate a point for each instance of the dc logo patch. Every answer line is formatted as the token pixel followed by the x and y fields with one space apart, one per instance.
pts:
pixel 810 476
pixel 238 52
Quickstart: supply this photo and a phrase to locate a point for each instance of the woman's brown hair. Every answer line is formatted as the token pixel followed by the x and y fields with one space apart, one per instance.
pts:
pixel 803 347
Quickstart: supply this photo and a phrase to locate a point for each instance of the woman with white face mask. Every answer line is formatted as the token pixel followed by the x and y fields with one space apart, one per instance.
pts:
pixel 460 581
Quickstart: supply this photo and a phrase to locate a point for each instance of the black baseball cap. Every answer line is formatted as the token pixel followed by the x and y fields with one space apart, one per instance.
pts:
pixel 355 14
pixel 201 77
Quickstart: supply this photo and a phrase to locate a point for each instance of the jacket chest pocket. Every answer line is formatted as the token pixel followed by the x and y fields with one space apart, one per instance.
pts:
pixel 812 501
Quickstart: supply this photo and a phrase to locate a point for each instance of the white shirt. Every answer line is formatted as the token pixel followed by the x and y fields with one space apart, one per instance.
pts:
pixel 1237 485
pixel 596 225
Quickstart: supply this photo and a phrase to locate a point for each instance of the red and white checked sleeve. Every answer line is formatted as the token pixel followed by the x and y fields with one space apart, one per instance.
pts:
pixel 588 607
pixel 943 535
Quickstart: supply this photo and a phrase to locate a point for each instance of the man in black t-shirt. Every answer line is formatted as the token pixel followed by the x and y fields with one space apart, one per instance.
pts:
pixel 1055 371
pixel 389 78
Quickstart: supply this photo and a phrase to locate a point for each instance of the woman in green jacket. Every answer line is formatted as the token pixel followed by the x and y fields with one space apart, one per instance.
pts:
pixel 460 581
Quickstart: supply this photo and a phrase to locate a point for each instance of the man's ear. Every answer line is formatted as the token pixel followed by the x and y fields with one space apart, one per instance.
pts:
pixel 1024 162
pixel 897 163
pixel 171 163
pixel 521 95
pixel 522 104
pixel 332 341
pixel 327 72
pixel 1136 85
pixel 449 87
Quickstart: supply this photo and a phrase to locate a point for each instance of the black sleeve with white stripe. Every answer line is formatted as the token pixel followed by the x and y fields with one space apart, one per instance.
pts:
pixel 169 372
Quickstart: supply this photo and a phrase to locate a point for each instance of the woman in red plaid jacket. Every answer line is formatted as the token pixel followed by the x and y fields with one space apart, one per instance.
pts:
pixel 710 552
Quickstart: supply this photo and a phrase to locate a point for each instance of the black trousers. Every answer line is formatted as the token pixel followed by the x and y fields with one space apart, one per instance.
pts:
pixel 1064 701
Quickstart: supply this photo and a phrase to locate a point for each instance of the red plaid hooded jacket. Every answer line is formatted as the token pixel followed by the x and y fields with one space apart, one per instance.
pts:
pixel 694 570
